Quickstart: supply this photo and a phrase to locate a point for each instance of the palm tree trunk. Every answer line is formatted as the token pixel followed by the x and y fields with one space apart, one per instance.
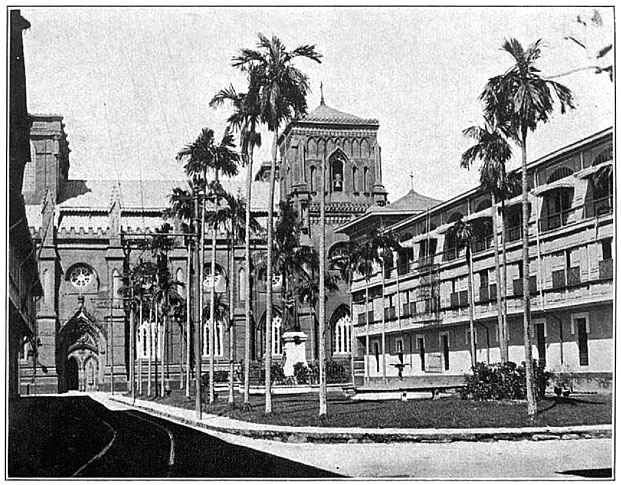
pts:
pixel 163 352
pixel 268 311
pixel 212 303
pixel 200 261
pixel 504 355
pixel 383 322
pixel 473 355
pixel 352 338
pixel 157 347
pixel 323 403
pixel 188 319
pixel 140 358
pixel 150 359
pixel 505 312
pixel 232 280
pixel 528 331
pixel 247 281
pixel 367 376
pixel 132 347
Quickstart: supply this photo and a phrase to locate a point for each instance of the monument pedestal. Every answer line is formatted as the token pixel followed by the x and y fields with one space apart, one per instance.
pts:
pixel 294 348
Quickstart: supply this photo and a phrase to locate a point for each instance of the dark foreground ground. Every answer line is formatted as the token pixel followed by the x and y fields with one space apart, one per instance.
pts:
pixel 448 412
pixel 78 437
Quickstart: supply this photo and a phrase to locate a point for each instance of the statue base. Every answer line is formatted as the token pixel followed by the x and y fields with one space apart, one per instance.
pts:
pixel 294 349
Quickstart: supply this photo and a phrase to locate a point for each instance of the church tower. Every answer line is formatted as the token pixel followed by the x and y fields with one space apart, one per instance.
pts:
pixel 348 145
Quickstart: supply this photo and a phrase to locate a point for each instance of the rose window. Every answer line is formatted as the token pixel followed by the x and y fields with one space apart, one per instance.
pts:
pixel 81 276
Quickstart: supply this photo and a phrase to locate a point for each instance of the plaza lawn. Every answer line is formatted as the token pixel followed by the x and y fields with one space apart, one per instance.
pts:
pixel 448 412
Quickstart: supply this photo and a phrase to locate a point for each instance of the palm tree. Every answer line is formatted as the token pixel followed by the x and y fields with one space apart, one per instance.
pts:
pixel 201 156
pixel 143 281
pixel 245 118
pixel 218 310
pixel 281 91
pixel 462 233
pixel 376 249
pixel 182 208
pixel 161 244
pixel 344 262
pixel 518 101
pixel 492 148
pixel 385 243
pixel 231 219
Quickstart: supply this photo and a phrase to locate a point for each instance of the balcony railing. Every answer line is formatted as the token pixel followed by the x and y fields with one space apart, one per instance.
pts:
pixel 487 293
pixel 406 310
pixel 481 244
pixel 514 233
pixel 451 253
pixel 599 207
pixel 403 268
pixel 606 269
pixel 459 299
pixel 518 289
pixel 549 222
pixel 389 313
pixel 425 261
pixel 562 278
pixel 558 279
pixel 362 320
pixel 573 276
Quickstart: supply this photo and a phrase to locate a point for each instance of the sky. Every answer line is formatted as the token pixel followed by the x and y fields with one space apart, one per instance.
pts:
pixel 134 84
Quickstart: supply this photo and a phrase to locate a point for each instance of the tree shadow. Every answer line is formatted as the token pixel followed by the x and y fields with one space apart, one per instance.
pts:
pixel 589 473
pixel 567 401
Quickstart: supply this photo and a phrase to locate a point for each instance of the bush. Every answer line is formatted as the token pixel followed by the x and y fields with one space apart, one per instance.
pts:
pixel 503 381
pixel 302 373
pixel 336 372
pixel 219 376
pixel 277 374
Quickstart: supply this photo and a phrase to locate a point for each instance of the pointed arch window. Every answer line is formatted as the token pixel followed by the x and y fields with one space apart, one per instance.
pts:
pixel 218 338
pixel 342 335
pixel 182 290
pixel 354 179
pixel 147 341
pixel 365 180
pixel 313 182
pixel 242 284
pixel 277 335
pixel 336 169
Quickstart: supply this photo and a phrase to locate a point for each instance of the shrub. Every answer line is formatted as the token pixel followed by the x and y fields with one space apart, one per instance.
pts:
pixel 336 372
pixel 277 374
pixel 219 376
pixel 302 373
pixel 503 381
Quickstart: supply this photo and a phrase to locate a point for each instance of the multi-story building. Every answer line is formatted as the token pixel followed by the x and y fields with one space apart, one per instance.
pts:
pixel 416 321
pixel 24 286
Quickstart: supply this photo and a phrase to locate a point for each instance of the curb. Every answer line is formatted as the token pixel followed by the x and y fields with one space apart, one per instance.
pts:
pixel 387 435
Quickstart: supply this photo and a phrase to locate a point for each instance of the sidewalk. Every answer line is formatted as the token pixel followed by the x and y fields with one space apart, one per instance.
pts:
pixel 292 434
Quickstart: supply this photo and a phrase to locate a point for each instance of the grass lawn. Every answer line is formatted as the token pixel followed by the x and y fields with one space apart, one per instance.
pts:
pixel 448 412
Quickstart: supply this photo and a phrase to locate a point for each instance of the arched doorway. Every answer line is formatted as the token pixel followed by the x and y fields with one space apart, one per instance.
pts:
pixel 72 373
pixel 82 346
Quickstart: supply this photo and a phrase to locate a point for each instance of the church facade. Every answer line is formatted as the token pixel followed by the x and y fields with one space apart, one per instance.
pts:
pixel 89 231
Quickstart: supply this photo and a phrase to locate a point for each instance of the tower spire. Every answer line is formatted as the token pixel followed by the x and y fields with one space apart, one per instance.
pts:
pixel 323 101
pixel 412 180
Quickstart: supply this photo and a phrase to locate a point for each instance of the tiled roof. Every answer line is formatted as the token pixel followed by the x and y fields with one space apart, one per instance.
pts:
pixel 143 194
pixel 325 114
pixel 410 202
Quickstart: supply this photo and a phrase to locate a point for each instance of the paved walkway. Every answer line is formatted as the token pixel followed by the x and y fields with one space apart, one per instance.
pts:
pixel 292 434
